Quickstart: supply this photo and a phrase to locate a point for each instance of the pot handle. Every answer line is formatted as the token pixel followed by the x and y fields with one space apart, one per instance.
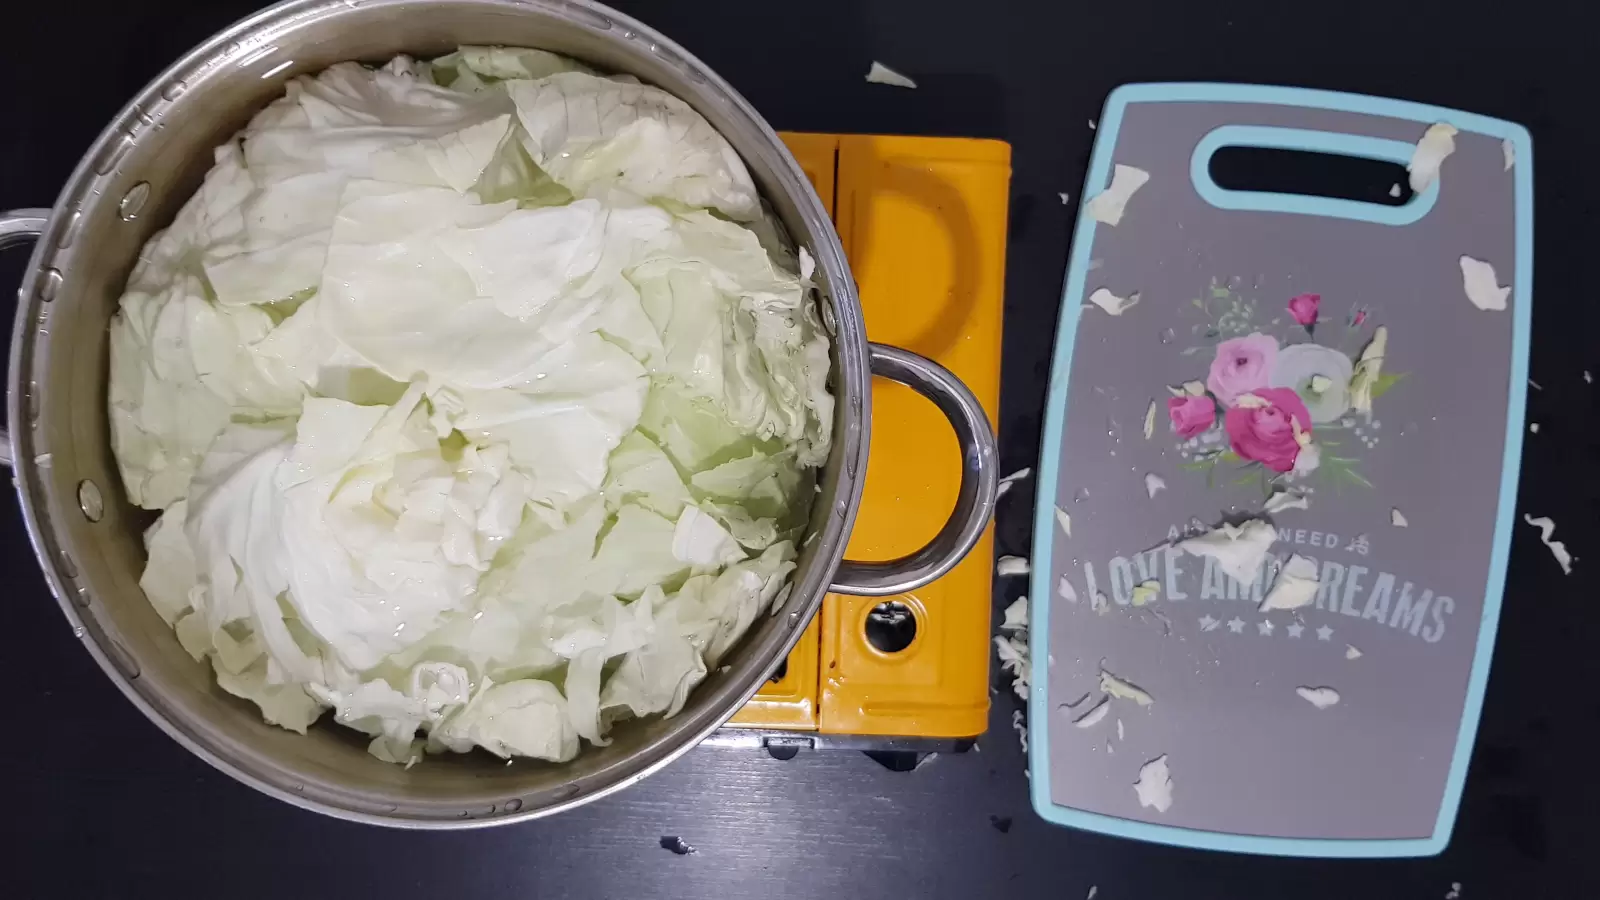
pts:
pixel 979 480
pixel 17 226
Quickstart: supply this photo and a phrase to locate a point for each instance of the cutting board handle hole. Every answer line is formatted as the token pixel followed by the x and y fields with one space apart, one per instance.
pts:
pixel 1309 173
pixel 1323 174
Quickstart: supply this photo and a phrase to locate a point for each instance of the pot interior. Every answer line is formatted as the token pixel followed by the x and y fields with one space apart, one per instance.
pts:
pixel 142 170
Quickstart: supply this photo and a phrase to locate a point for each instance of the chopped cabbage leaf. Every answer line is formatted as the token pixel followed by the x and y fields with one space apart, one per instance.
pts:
pixel 182 367
pixel 738 331
pixel 702 542
pixel 693 433
pixel 519 718
pixel 500 64
pixel 713 612
pixel 561 429
pixel 470 414
pixel 285 705
pixel 596 134
pixel 638 551
pixel 641 473
pixel 655 678
pixel 170 576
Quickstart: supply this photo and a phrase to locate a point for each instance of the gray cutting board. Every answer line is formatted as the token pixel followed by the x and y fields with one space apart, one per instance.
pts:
pixel 1254 766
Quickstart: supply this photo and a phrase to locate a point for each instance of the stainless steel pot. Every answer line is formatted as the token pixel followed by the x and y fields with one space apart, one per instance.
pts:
pixel 87 536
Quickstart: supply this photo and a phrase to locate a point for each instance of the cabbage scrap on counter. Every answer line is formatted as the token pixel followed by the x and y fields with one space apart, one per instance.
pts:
pixel 480 399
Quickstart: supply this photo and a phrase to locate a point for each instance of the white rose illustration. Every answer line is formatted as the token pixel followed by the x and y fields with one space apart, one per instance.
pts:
pixel 1320 375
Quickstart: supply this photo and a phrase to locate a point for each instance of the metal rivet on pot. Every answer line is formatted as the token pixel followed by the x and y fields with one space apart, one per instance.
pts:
pixel 70 232
pixel 33 403
pixel 172 90
pixel 69 566
pixel 80 596
pixel 49 282
pixel 133 201
pixel 566 792
pixel 90 501
pixel 514 804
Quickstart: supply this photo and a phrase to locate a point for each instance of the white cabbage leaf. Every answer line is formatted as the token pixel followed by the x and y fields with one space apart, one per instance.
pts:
pixel 527 717
pixel 485 65
pixel 182 368
pixel 595 134
pixel 467 418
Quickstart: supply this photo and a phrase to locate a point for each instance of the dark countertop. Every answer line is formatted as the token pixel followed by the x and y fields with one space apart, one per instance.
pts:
pixel 101 804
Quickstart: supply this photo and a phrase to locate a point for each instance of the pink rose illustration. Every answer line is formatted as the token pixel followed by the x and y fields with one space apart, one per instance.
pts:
pixel 1304 309
pixel 1191 415
pixel 1265 432
pixel 1242 365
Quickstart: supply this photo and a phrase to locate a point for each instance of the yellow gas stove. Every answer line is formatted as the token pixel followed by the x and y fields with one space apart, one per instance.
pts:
pixel 923 222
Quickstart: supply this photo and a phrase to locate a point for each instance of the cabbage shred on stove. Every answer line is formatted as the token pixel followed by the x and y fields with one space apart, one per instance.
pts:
pixel 476 408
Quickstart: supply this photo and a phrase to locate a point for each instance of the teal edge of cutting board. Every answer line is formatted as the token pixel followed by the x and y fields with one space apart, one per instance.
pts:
pixel 1039 703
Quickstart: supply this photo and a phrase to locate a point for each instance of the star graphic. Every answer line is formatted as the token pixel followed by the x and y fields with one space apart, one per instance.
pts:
pixel 1295 629
pixel 1324 633
pixel 1236 625
pixel 1265 627
pixel 1208 624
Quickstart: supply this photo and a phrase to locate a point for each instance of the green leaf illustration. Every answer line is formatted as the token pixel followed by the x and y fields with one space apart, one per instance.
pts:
pixel 1340 471
pixel 1385 382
